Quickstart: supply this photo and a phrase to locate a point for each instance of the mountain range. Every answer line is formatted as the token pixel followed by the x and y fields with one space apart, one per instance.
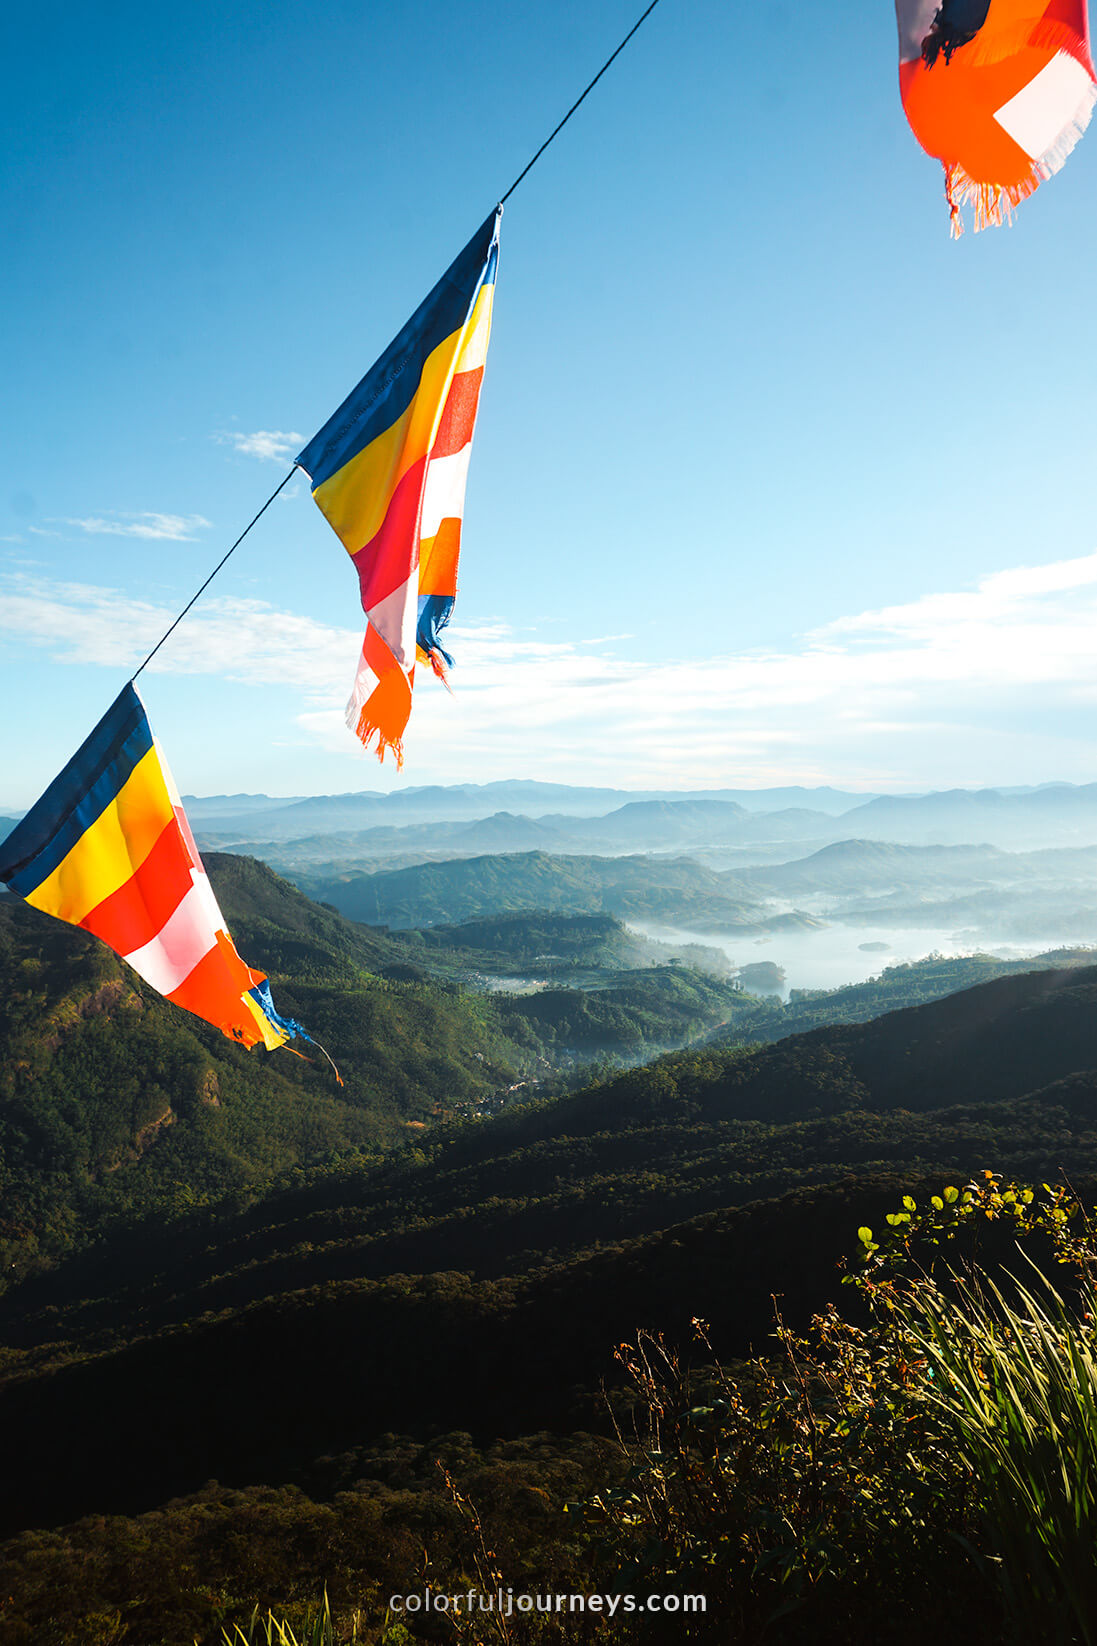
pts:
pixel 524 815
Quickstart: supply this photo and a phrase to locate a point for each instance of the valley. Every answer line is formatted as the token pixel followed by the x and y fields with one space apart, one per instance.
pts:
pixel 579 1100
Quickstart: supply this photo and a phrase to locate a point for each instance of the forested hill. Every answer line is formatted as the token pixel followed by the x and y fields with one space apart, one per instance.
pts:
pixel 115 1105
pixel 1002 1074
pixel 676 890
pixel 118 1110
pixel 1000 1040
pixel 701 1184
pixel 376 1305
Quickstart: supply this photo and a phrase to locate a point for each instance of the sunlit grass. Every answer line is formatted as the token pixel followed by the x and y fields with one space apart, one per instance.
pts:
pixel 1017 1380
pixel 318 1629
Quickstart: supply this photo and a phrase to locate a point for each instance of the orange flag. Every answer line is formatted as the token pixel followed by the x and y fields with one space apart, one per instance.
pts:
pixel 999 91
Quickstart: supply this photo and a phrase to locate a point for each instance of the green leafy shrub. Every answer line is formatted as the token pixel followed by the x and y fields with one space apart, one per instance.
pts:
pixel 1011 1370
pixel 813 1489
pixel 936 1463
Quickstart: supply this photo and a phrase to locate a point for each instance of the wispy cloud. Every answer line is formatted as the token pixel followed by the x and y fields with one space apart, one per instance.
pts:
pixel 274 445
pixel 1001 599
pixel 173 528
pixel 240 640
pixel 993 684
pixel 979 686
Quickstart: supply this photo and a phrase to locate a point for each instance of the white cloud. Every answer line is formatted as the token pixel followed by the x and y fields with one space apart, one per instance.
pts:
pixel 274 445
pixel 998 598
pixel 988 685
pixel 240 640
pixel 174 528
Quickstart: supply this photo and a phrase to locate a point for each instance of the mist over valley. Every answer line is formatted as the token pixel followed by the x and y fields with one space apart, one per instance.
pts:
pixel 828 887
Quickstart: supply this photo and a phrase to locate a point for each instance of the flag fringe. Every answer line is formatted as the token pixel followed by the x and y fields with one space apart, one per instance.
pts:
pixel 440 664
pixel 364 727
pixel 993 204
pixel 384 711
pixel 339 1081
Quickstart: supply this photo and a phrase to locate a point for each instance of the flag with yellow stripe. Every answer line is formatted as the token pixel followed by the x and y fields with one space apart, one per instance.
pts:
pixel 108 848
pixel 388 471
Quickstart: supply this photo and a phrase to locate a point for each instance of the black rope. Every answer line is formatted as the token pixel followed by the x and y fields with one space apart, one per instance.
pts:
pixel 213 574
pixel 578 100
pixel 522 174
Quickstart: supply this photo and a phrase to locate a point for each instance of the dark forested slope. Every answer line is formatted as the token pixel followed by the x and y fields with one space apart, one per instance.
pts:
pixel 115 1106
pixel 482 1282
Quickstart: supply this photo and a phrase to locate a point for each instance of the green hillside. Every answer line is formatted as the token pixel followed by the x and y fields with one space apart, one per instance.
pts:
pixel 676 890
pixel 275 1292
pixel 944 1087
pixel 116 1107
pixel 115 1104
pixel 549 944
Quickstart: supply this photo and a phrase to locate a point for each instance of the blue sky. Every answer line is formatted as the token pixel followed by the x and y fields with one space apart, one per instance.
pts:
pixel 773 482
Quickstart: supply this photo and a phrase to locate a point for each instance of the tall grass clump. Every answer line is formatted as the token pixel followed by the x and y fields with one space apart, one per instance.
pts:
pixel 1016 1378
pixel 264 1629
pixel 1011 1368
pixel 933 1465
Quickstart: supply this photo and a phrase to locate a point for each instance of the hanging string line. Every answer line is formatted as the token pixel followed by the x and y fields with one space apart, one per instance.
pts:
pixel 504 198
pixel 213 574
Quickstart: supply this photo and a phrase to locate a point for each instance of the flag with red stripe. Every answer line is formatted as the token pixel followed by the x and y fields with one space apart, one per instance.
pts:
pixel 108 848
pixel 388 471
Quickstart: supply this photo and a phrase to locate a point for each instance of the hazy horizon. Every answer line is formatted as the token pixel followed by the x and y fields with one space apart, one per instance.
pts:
pixel 11 808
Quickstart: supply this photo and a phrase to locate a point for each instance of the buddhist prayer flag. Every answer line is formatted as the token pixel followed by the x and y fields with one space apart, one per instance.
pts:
pixel 108 848
pixel 998 90
pixel 388 472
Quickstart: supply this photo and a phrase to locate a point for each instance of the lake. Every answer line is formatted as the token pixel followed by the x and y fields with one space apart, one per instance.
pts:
pixel 828 956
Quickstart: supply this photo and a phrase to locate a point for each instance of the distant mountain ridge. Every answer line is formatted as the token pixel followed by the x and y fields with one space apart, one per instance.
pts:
pixel 469 801
pixel 616 819
pixel 953 816
pixel 867 864
pixel 555 806
pixel 639 826
pixel 466 820
pixel 983 893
